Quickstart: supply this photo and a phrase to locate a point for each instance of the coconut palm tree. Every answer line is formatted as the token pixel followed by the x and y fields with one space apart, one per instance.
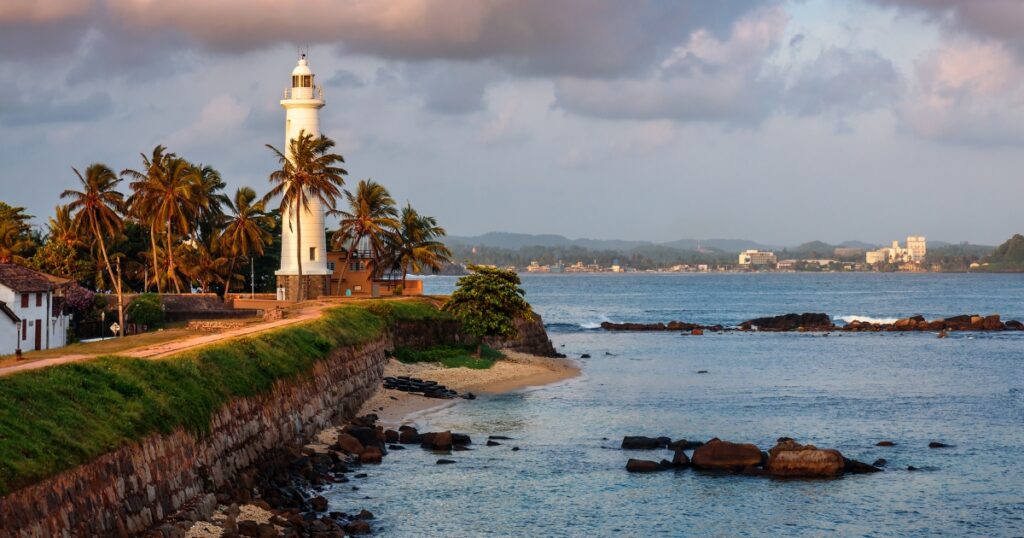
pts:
pixel 308 172
pixel 176 205
pixel 415 244
pixel 203 266
pixel 97 211
pixel 13 241
pixel 210 202
pixel 146 188
pixel 246 230
pixel 371 216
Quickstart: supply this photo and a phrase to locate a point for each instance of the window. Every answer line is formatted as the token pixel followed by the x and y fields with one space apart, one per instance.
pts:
pixel 307 81
pixel 312 254
pixel 330 266
pixel 24 329
pixel 39 298
pixel 295 81
pixel 24 300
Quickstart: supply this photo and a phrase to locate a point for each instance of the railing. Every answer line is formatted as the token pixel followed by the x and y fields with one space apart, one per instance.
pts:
pixel 315 93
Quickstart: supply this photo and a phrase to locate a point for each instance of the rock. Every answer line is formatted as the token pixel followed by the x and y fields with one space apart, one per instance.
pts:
pixel 791 459
pixel 366 435
pixel 1015 325
pixel 440 441
pixel 992 323
pixel 639 442
pixel 492 443
pixel 348 443
pixel 936 444
pixel 790 322
pixel 396 447
pixel 266 530
pixel 696 332
pixel 319 503
pixel 500 437
pixel 371 455
pixel 942 334
pixel 443 461
pixel 885 443
pixel 585 356
pixel 248 527
pixel 515 449
pixel 859 467
pixel 750 470
pixel 702 371
pixel 461 439
pixel 409 436
pixel 357 527
pixel 724 455
pixel 880 462
pixel 643 466
pixel 683 444
pixel 680 460
pixel 364 515
pixel 911 468
pixel 391 436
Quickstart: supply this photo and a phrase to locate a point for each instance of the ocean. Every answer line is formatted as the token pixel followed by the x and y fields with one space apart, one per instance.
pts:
pixel 842 390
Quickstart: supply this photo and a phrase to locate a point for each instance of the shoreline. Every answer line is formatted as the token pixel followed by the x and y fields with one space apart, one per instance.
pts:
pixel 517 371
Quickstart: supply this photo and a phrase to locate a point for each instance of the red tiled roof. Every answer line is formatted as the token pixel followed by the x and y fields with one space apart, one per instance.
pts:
pixel 6 310
pixel 23 279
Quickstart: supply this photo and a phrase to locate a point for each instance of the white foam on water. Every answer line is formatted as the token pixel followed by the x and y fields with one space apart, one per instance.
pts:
pixel 868 319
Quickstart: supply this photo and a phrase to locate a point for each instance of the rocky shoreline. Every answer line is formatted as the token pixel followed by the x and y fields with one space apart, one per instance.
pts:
pixel 820 322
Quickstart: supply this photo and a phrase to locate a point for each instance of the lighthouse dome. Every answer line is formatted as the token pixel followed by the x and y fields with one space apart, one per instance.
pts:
pixel 302 68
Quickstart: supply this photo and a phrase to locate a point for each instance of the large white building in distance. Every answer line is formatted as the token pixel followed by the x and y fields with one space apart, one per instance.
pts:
pixel 757 258
pixel 915 251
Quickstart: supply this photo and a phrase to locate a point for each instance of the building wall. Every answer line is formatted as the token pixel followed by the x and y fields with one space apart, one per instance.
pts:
pixel 52 334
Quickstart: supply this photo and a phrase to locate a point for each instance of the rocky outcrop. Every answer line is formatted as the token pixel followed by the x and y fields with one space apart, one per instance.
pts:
pixel 818 322
pixel 721 455
pixel 791 459
pixel 790 322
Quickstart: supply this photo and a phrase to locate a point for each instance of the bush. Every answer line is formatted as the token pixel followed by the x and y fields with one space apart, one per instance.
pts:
pixel 146 309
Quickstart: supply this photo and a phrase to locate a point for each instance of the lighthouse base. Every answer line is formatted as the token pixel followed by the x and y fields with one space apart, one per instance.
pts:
pixel 313 286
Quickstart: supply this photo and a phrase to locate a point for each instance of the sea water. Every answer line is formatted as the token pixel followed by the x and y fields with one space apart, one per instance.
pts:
pixel 842 390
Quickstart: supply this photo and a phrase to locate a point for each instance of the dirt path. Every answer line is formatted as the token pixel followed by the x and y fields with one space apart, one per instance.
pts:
pixel 157 351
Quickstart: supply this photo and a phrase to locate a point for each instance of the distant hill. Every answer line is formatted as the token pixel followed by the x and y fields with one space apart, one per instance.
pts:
pixel 1008 257
pixel 516 241
pixel 858 244
pixel 724 245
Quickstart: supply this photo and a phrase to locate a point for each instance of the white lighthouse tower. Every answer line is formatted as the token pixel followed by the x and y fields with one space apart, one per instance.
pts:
pixel 302 104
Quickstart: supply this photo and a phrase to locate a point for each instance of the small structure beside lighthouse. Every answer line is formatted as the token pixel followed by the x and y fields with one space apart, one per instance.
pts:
pixel 302 103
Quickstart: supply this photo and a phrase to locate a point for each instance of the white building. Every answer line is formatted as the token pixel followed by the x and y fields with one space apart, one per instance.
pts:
pixel 917 247
pixel 915 252
pixel 302 103
pixel 757 258
pixel 31 317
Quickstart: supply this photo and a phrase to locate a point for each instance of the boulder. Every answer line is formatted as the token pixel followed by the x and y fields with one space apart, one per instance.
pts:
pixel 859 467
pixel 371 455
pixel 992 323
pixel 936 444
pixel 409 436
pixel 696 332
pixel 680 460
pixel 791 459
pixel 319 503
pixel 790 322
pixel 639 442
pixel 724 455
pixel 1014 325
pixel 349 444
pixel 461 439
pixel 443 461
pixel 439 440
pixel 391 436
pixel 357 527
pixel 683 444
pixel 248 527
pixel 885 443
pixel 643 466
pixel 366 435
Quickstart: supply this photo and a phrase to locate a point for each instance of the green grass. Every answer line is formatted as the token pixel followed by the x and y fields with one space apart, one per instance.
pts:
pixel 450 356
pixel 54 418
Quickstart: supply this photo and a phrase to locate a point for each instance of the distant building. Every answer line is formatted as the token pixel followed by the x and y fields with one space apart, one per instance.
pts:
pixel 913 253
pixel 757 258
pixel 536 267
pixel 31 316
pixel 848 252
pixel 917 247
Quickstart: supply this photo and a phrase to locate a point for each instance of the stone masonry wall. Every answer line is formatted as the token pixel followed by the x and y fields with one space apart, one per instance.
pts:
pixel 127 491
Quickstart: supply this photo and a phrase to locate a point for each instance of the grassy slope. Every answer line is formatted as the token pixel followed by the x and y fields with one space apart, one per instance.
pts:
pixel 450 356
pixel 56 418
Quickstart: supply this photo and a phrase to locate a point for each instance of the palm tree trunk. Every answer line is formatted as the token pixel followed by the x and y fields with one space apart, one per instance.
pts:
pixel 231 274
pixel 348 260
pixel 298 246
pixel 116 282
pixel 156 272
pixel 170 260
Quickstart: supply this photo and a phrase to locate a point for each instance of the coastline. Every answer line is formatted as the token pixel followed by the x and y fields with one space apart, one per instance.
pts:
pixel 516 371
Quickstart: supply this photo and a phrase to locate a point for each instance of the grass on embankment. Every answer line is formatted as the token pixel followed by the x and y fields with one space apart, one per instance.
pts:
pixel 55 418
pixel 450 356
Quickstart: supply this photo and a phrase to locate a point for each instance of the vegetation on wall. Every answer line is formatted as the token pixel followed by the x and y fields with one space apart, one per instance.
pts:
pixel 55 418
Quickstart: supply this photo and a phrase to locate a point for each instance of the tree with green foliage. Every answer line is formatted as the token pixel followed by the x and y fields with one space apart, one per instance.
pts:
pixel 146 309
pixel 371 217
pixel 416 244
pixel 246 232
pixel 309 171
pixel 16 241
pixel 487 302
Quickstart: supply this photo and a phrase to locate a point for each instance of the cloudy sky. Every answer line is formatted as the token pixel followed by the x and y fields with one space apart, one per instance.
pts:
pixel 775 121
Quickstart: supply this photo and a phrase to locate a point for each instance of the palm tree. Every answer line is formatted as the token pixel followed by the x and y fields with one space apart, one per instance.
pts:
pixel 415 244
pixel 144 199
pixel 203 266
pixel 371 216
pixel 245 232
pixel 13 240
pixel 210 202
pixel 308 172
pixel 98 208
pixel 176 206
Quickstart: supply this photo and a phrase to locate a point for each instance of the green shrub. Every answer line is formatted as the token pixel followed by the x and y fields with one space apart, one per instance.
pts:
pixel 146 309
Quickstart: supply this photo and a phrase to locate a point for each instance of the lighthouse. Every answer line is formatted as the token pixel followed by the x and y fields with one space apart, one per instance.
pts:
pixel 302 103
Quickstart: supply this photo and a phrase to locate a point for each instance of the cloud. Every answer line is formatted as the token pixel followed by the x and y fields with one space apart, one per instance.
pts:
pixel 219 117
pixel 967 91
pixel 451 87
pixel 704 79
pixel 343 78
pixel 42 11
pixel 31 106
pixel 843 81
pixel 1002 20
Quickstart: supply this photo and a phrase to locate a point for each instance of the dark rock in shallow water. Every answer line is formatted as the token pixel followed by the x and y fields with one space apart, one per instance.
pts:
pixel 885 443
pixel 357 527
pixel 859 467
pixel 643 466
pixel 725 456
pixel 585 356
pixel 391 436
pixel 683 444
pixel 790 322
pixel 880 462
pixel 680 459
pixel 936 444
pixel 789 458
pixel 443 461
pixel 396 447
pixel 319 503
pixel 515 449
pixel 492 443
pixel 702 371
pixel 639 442
pixel 500 437
pixel 364 515
pixel 911 468
pixel 461 439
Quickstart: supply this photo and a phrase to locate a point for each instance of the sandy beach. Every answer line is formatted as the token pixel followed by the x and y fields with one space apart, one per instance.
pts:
pixel 515 372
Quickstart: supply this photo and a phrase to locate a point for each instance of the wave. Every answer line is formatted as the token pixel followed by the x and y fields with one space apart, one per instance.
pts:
pixel 869 319
pixel 583 325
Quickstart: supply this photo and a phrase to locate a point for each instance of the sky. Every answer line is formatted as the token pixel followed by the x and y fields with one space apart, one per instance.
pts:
pixel 779 122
